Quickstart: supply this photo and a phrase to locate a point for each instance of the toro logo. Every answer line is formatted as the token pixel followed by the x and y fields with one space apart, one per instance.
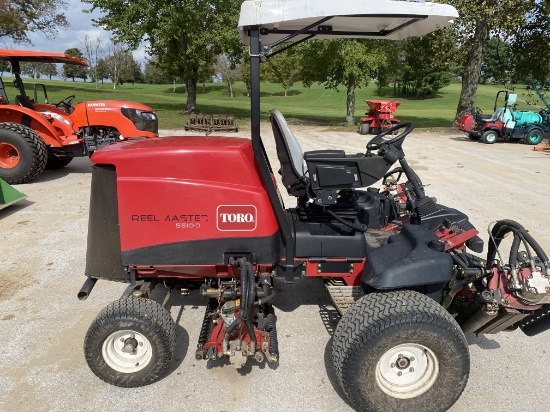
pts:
pixel 236 218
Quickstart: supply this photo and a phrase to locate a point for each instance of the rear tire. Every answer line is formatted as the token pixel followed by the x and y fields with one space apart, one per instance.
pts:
pixel 23 154
pixel 56 162
pixel 364 128
pixel 534 137
pixel 131 342
pixel 489 137
pixel 400 351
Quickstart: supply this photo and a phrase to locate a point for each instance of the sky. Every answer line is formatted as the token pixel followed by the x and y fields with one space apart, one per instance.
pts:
pixel 80 24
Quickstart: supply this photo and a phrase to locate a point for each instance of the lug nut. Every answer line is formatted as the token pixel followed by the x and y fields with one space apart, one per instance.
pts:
pixel 399 373
pixel 392 365
pixel 411 369
pixel 412 358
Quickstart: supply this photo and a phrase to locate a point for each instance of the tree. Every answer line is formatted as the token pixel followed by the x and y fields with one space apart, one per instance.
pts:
pixel 70 71
pixel 154 74
pixel 21 17
pixel 428 60
pixel 49 69
pixel 93 52
pixel 478 20
pixel 284 68
pixel 102 71
pixel 229 70
pixel 32 69
pixel 343 62
pixel 4 67
pixel 121 65
pixel 530 50
pixel 185 36
pixel 497 64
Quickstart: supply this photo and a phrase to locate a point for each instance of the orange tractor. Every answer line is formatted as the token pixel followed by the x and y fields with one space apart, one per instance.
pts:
pixel 36 136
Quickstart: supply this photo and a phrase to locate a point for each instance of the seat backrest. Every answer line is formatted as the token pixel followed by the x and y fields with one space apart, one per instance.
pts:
pixel 19 100
pixel 290 155
pixel 3 96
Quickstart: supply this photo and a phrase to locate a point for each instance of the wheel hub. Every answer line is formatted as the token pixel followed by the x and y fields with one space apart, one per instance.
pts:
pixel 407 371
pixel 9 156
pixel 127 351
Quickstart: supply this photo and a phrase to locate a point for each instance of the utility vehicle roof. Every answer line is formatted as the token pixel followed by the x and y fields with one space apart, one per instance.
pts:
pixel 371 19
pixel 41 57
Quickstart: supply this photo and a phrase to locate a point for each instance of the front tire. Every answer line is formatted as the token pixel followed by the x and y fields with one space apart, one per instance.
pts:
pixel 131 342
pixel 23 154
pixel 489 137
pixel 473 136
pixel 400 351
pixel 364 128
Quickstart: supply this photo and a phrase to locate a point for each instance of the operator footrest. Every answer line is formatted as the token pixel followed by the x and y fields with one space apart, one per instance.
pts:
pixel 342 296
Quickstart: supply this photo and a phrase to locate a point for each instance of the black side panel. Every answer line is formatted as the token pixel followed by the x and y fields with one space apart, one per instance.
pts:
pixel 103 258
pixel 407 261
pixel 205 252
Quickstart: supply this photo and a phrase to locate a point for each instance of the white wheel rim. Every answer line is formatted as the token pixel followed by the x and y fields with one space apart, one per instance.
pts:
pixel 127 351
pixel 407 371
pixel 491 137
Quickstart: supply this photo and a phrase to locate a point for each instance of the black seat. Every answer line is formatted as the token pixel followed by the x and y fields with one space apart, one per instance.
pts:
pixel 19 100
pixel 3 95
pixel 290 155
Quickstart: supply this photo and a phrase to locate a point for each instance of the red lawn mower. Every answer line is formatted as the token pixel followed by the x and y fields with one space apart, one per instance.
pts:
pixel 379 117
pixel 402 269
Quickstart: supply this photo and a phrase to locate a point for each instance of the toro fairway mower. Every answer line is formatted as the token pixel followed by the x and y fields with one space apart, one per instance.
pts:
pixel 402 269
pixel 503 123
pixel 36 136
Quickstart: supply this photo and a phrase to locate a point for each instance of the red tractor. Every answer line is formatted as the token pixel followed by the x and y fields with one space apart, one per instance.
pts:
pixel 36 136
pixel 209 220
pixel 379 117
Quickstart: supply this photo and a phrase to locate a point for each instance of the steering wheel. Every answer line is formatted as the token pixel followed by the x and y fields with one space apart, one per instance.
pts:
pixel 390 136
pixel 66 103
pixel 478 110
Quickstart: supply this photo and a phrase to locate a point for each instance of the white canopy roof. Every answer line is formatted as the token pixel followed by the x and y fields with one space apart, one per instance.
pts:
pixel 374 19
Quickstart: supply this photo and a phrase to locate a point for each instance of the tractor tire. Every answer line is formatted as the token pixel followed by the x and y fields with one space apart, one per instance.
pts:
pixel 56 162
pixel 364 128
pixel 23 154
pixel 375 130
pixel 533 137
pixel 474 137
pixel 131 342
pixel 400 351
pixel 489 137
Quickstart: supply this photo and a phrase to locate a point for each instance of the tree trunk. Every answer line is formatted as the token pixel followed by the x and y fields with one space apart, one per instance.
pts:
pixel 174 85
pixel 286 91
pixel 230 89
pixel 191 86
pixel 472 71
pixel 350 100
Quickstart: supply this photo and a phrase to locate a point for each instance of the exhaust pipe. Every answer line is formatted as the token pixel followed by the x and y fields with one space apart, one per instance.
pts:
pixel 86 288
pixel 537 323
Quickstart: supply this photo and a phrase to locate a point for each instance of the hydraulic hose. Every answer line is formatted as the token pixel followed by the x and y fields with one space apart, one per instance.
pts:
pixel 503 227
pixel 244 301
pixel 359 228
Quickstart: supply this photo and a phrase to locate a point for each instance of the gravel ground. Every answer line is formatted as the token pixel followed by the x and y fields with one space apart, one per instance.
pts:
pixel 42 324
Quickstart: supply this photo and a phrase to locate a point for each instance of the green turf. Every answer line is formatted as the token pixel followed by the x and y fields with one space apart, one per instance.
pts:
pixel 313 105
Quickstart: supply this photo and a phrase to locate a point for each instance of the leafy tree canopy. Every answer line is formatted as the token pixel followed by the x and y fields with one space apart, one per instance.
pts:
pixel 184 36
pixel 21 17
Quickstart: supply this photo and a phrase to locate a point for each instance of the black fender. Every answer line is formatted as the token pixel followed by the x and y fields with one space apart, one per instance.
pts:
pixel 407 261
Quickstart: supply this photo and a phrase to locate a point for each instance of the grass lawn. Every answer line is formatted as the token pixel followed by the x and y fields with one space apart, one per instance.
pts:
pixel 316 105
